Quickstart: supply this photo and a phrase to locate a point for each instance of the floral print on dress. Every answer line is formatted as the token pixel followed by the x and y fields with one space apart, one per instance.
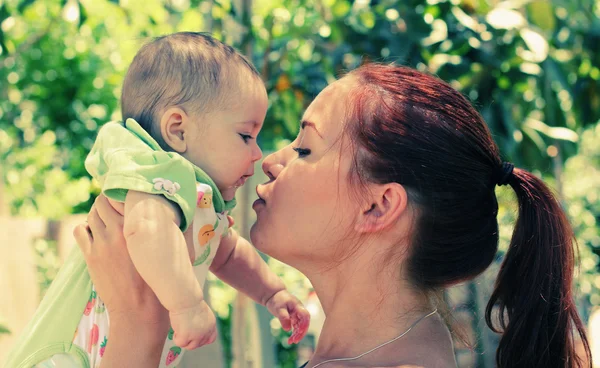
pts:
pixel 166 185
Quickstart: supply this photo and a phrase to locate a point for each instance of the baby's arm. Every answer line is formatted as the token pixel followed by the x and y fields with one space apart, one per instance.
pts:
pixel 239 264
pixel 159 252
pixel 158 249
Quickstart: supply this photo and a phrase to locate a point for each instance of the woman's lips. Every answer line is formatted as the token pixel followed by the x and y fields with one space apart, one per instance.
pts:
pixel 258 203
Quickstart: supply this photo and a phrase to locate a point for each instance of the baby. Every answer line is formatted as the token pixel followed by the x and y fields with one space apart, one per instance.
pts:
pixel 192 109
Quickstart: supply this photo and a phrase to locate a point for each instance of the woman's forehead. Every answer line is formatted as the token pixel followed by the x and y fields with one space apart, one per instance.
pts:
pixel 329 109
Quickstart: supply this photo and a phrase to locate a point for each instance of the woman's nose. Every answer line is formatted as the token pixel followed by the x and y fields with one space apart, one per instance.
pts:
pixel 272 166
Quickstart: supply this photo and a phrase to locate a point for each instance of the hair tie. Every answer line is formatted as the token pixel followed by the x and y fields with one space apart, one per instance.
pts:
pixel 504 173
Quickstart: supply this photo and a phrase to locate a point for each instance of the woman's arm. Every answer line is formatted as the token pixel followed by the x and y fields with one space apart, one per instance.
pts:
pixel 139 323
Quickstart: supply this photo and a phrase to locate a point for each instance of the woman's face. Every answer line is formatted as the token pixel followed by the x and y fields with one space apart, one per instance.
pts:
pixel 307 208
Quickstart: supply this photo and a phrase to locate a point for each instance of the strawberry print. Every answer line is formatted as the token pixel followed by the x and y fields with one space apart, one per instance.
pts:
pixel 173 354
pixel 100 308
pixel 90 304
pixel 103 346
pixel 170 335
pixel 93 339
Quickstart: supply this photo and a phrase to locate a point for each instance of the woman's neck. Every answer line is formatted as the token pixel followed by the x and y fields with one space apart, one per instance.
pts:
pixel 365 306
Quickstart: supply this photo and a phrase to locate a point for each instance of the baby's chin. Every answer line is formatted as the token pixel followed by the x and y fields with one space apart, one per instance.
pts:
pixel 228 193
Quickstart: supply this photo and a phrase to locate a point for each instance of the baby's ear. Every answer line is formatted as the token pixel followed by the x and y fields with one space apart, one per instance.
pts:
pixel 173 125
pixel 385 205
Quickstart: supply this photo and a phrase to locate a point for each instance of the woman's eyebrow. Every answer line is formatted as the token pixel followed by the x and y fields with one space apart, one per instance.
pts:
pixel 306 123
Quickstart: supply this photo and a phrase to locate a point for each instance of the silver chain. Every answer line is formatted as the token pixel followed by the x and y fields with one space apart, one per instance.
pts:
pixel 379 346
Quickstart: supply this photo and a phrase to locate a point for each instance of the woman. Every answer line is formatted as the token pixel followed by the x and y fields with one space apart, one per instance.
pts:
pixel 390 190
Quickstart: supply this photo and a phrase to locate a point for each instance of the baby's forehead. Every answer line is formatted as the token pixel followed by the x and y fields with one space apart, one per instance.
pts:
pixel 233 83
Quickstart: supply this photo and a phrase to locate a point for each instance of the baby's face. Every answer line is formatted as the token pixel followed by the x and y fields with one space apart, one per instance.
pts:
pixel 223 143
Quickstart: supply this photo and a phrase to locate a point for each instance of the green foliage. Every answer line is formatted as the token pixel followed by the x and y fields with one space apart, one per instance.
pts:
pixel 531 68
pixel 582 197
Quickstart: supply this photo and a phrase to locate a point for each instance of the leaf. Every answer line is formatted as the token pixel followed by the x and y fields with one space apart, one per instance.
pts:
pixel 23 5
pixel 4 330
pixel 341 8
pixel 564 134
pixel 500 18
pixel 368 19
pixel 3 15
pixel 536 43
pixel 542 15
pixel 535 138
pixel 465 19
pixel 82 14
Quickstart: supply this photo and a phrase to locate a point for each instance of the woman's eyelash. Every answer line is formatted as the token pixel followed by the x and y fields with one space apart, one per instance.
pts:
pixel 302 151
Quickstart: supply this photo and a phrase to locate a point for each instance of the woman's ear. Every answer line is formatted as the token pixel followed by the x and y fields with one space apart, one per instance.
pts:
pixel 173 126
pixel 387 203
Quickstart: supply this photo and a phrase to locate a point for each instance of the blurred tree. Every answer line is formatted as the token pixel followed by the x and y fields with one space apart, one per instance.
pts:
pixel 530 66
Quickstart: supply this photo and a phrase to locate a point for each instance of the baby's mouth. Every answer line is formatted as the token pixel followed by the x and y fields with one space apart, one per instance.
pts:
pixel 241 181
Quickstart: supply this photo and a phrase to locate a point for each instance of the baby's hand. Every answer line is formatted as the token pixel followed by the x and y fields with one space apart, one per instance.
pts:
pixel 194 327
pixel 291 313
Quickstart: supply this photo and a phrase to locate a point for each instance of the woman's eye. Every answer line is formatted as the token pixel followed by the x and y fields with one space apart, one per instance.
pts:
pixel 245 137
pixel 302 152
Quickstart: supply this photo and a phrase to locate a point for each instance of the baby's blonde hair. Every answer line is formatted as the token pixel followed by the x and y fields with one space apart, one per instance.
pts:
pixel 191 70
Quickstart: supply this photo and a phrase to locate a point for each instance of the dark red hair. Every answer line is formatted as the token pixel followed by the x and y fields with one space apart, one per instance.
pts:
pixel 416 130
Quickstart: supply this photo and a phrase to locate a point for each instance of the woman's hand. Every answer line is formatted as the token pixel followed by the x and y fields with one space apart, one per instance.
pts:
pixel 133 307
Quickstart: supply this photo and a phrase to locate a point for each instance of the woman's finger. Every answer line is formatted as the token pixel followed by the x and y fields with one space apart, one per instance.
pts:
pixel 108 214
pixel 83 237
pixel 95 223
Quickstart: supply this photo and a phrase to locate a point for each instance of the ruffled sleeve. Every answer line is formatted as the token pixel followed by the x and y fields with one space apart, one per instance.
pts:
pixel 121 161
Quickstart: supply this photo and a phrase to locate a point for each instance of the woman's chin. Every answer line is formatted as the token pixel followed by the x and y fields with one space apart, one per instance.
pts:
pixel 255 236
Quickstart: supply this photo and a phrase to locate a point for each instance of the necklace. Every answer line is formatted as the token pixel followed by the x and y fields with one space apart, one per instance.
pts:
pixel 379 346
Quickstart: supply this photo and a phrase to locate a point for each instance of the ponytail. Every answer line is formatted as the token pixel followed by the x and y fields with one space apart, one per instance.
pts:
pixel 534 290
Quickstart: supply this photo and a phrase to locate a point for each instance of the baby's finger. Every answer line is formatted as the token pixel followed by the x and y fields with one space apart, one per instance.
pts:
pixel 284 318
pixel 180 341
pixel 194 344
pixel 300 322
pixel 212 338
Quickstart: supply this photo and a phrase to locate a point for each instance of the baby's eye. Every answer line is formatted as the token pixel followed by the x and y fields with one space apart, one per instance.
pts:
pixel 246 137
pixel 302 152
